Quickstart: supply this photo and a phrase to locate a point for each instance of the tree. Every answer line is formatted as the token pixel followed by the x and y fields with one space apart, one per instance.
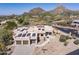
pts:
pixel 6 37
pixel 10 25
pixel 5 40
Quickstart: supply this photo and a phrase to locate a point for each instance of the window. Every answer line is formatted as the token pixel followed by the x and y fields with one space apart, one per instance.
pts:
pixel 32 41
pixel 25 42
pixel 42 29
pixel 18 42
pixel 33 34
pixel 41 34
pixel 76 22
pixel 50 33
pixel 47 37
pixel 46 33
pixel 39 29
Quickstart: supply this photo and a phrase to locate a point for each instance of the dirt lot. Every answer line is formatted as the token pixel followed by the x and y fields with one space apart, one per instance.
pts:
pixel 55 47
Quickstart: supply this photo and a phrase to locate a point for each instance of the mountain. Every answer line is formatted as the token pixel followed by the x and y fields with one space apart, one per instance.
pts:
pixel 59 10
pixel 36 11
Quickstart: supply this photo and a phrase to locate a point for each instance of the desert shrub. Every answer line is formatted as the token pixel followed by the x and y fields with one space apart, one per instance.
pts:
pixel 76 42
pixel 63 38
pixel 65 43
pixel 10 25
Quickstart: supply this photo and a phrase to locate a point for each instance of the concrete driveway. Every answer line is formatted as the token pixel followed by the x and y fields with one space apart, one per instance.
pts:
pixel 23 50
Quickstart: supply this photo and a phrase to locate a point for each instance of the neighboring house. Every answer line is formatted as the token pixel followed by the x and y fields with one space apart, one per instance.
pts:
pixel 75 23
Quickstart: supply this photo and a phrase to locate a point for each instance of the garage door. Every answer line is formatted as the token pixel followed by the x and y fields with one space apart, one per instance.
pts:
pixel 18 42
pixel 25 42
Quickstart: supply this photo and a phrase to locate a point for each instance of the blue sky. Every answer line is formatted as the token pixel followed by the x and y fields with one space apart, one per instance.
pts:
pixel 19 8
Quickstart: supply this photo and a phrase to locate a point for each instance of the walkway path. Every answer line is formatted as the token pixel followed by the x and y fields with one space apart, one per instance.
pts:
pixel 43 43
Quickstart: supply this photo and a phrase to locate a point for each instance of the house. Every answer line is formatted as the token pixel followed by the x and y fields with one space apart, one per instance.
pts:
pixel 75 23
pixel 32 35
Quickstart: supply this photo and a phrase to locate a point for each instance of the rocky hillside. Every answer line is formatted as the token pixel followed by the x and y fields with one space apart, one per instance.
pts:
pixel 60 9
pixel 36 11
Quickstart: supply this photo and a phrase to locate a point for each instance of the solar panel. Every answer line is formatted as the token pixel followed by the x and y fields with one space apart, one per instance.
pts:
pixel 28 34
pixel 19 35
pixel 24 35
